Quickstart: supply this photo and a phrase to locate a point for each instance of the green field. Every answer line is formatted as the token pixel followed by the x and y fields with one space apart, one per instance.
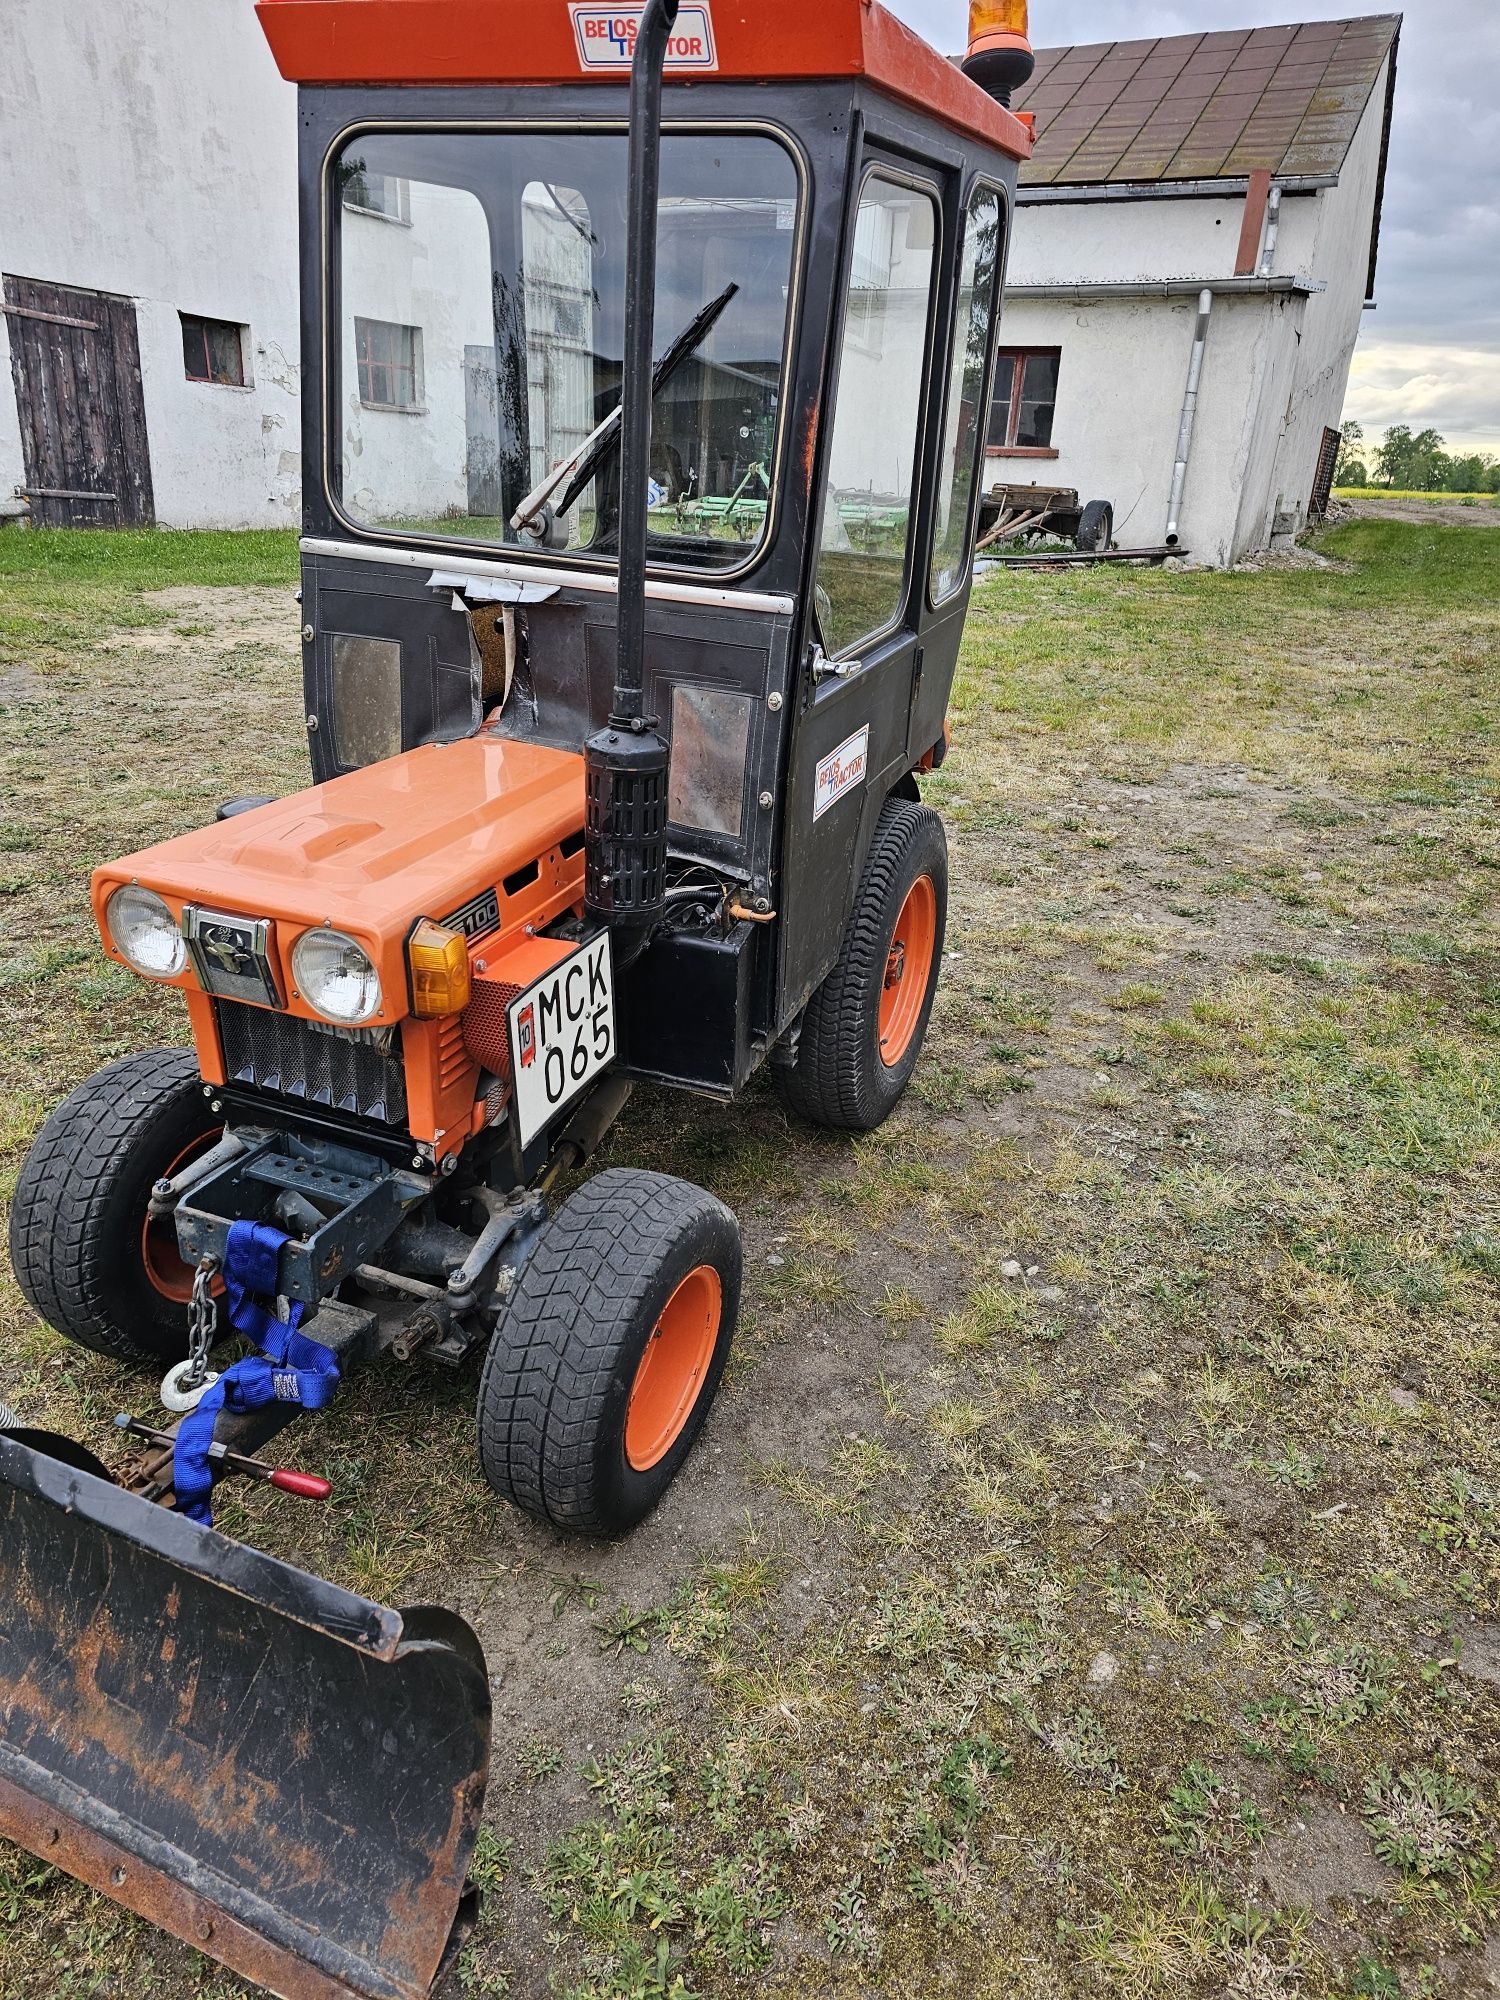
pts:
pixel 1089 1582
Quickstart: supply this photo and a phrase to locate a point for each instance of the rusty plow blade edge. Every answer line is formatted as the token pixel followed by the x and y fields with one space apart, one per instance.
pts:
pixel 283 1775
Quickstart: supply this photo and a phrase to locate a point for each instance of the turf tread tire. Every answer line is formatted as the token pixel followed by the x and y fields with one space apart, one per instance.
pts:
pixel 66 1237
pixel 558 1374
pixel 839 1080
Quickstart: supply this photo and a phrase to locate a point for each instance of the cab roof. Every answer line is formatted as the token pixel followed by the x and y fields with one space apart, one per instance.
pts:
pixel 562 41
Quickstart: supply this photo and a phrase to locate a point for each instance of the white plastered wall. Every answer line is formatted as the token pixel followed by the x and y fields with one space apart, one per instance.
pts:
pixel 149 149
pixel 1119 400
pixel 1328 237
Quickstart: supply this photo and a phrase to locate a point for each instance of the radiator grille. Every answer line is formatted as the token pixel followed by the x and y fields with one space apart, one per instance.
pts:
pixel 348 1069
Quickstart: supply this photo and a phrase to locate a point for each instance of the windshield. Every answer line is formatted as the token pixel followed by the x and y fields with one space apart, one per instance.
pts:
pixel 482 302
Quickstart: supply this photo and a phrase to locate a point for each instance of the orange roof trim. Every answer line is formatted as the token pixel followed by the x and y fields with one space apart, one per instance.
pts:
pixel 560 41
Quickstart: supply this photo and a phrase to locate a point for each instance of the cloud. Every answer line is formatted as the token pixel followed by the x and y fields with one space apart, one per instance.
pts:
pixel 1455 390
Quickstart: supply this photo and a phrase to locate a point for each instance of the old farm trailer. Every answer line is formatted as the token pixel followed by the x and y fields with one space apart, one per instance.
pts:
pixel 642 427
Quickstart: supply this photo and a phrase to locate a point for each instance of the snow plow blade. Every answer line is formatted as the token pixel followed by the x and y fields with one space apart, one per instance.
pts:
pixel 283 1775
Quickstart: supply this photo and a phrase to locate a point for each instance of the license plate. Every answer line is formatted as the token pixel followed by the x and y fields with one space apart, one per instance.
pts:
pixel 562 1033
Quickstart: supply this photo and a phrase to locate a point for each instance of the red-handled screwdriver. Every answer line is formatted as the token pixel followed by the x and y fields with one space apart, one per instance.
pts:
pixel 305 1485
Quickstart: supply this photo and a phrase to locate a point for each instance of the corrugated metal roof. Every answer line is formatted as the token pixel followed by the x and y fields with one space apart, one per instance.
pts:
pixel 1205 107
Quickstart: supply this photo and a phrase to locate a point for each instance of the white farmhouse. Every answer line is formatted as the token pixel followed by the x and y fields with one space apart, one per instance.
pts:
pixel 1195 244
pixel 149 336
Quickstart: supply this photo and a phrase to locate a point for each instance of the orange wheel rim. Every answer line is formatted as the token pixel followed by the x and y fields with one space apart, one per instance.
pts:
pixel 673 1369
pixel 908 970
pixel 163 1261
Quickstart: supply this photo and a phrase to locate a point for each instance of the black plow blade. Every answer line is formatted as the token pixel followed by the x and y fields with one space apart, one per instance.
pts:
pixel 280 1773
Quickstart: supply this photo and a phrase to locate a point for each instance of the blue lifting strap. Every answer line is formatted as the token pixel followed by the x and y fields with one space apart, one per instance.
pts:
pixel 290 1368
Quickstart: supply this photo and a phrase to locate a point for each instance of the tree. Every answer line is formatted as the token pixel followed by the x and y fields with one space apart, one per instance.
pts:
pixel 1416 463
pixel 1350 469
pixel 1475 472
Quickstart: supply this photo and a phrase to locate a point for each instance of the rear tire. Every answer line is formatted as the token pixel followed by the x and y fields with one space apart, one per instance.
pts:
pixel 600 1375
pixel 78 1233
pixel 864 1027
pixel 1096 527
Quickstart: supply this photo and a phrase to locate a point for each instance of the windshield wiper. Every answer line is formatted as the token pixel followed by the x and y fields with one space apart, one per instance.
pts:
pixel 581 466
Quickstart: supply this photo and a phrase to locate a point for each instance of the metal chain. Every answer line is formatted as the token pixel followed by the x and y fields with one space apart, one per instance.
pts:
pixel 203 1322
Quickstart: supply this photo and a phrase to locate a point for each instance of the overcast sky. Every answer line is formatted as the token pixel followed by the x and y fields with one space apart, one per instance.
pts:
pixel 1431 353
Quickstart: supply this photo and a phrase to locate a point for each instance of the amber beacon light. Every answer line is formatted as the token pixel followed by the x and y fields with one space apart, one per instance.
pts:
pixel 999 58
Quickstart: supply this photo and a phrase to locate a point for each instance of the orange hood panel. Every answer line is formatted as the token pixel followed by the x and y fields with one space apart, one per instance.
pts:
pixel 376 850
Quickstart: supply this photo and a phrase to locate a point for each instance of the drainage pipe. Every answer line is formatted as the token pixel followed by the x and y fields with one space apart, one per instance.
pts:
pixel 1273 230
pixel 1189 413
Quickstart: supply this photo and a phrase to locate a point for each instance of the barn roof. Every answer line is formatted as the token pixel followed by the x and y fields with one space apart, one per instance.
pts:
pixel 1206 107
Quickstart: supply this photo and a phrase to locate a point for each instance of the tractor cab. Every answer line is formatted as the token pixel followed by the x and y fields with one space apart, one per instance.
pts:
pixel 830 231
pixel 646 356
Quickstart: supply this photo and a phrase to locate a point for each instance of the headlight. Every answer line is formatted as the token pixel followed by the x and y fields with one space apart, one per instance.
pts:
pixel 336 977
pixel 145 932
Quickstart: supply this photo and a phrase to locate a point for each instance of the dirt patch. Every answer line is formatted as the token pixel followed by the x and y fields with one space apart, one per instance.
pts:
pixel 1323 1863
pixel 236 615
pixel 1426 513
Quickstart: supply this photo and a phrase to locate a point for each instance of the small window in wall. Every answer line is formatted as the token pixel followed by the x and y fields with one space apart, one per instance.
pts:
pixel 867 507
pixel 385 195
pixel 389 362
pixel 1025 399
pixel 213 350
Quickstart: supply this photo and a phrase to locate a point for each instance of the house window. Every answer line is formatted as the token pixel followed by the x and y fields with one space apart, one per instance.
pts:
pixel 386 195
pixel 389 361
pixel 1025 399
pixel 213 350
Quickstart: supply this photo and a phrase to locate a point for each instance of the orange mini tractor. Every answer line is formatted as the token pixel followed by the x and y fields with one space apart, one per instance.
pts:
pixel 646 355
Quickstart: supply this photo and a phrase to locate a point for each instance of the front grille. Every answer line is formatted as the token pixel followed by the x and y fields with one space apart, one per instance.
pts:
pixel 348 1069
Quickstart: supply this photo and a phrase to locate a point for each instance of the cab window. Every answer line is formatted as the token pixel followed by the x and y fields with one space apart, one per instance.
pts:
pixel 963 429
pixel 867 501
pixel 491 326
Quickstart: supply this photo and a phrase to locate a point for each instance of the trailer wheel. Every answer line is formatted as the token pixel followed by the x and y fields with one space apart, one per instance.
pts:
pixel 83 1250
pixel 1096 528
pixel 864 1027
pixel 603 1369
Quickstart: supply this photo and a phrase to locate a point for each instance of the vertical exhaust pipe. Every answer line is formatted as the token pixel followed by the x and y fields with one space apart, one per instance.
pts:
pixel 1189 415
pixel 625 827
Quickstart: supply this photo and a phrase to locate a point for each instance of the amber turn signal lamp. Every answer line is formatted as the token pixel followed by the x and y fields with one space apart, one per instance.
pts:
pixel 999 58
pixel 439 962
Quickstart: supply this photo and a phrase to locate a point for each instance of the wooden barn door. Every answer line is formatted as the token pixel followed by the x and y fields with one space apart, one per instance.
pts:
pixel 76 365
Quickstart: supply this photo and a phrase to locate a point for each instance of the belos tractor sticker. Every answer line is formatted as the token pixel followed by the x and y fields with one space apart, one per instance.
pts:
pixel 606 38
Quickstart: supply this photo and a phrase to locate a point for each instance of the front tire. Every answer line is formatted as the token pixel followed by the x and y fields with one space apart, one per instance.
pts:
pixel 601 1374
pixel 864 1027
pixel 80 1243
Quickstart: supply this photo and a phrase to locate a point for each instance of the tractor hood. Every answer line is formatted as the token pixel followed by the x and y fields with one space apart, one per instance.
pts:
pixel 424 834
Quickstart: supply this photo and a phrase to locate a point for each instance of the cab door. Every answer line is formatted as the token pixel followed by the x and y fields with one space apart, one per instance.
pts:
pixel 856 686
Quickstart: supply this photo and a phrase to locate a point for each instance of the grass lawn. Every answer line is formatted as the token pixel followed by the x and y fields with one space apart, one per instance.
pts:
pixel 1089 1581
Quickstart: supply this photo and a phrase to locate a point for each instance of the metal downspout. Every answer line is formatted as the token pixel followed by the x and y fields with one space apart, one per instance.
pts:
pixel 1189 413
pixel 1273 230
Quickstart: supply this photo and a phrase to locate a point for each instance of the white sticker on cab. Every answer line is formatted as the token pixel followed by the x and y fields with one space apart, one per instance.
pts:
pixel 606 37
pixel 841 769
